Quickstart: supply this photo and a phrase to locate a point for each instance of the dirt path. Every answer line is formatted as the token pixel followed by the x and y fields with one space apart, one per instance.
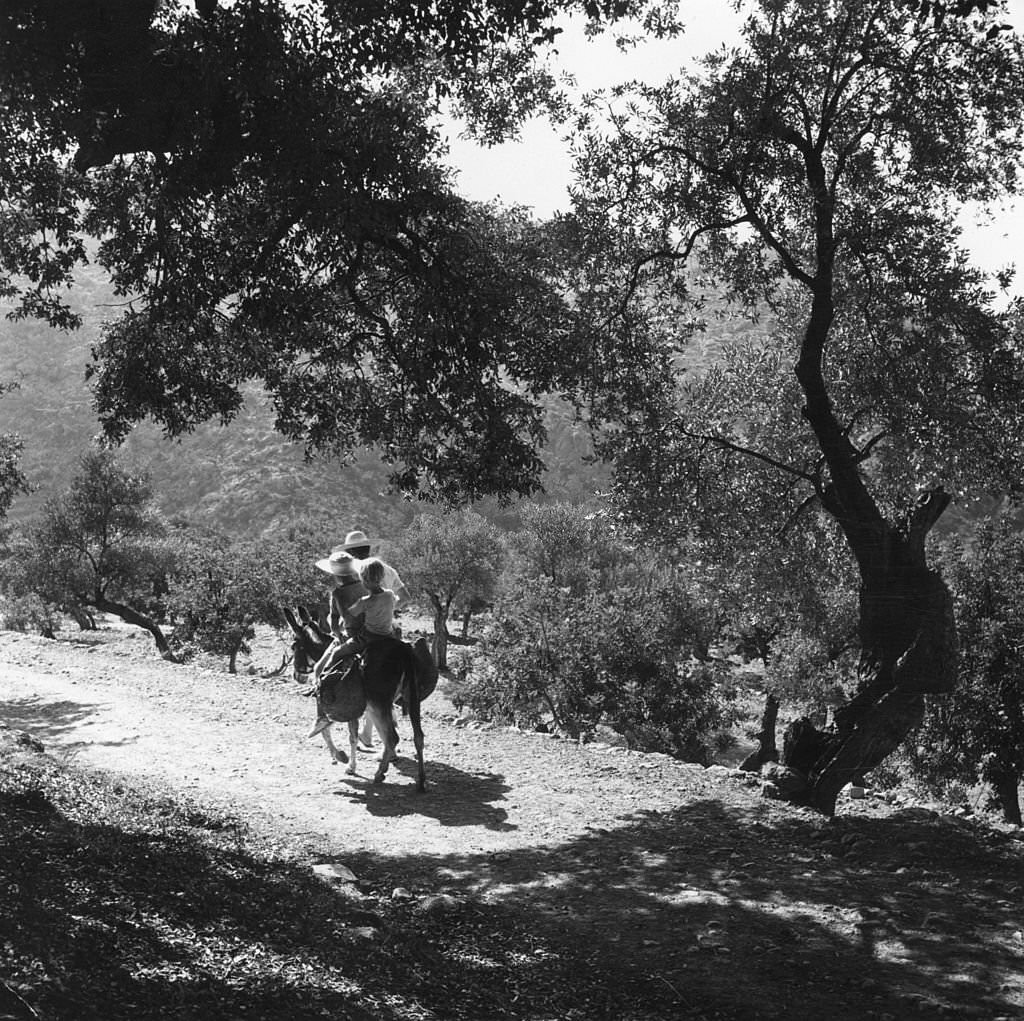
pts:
pixel 239 742
pixel 689 872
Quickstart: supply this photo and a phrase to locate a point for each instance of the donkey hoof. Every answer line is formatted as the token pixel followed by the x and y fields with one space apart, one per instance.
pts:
pixel 351 771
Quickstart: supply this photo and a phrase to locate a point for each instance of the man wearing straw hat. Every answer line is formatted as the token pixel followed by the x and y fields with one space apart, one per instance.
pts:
pixel 357 545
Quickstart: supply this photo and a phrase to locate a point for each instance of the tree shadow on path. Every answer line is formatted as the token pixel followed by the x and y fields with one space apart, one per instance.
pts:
pixel 768 915
pixel 724 908
pixel 53 722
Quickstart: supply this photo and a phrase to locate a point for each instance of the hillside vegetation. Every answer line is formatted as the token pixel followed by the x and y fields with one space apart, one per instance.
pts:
pixel 244 477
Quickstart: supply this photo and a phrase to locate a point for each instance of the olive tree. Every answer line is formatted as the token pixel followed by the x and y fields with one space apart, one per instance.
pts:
pixel 100 545
pixel 451 560
pixel 814 173
pixel 220 588
pixel 12 478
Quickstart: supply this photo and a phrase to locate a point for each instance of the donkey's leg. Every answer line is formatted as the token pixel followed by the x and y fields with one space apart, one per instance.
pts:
pixel 384 721
pixel 337 755
pixel 353 741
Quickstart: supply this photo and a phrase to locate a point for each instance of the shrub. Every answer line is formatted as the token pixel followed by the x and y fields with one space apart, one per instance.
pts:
pixel 618 658
pixel 29 613
pixel 976 733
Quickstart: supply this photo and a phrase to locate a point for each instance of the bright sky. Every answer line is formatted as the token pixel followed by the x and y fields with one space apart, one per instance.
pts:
pixel 536 170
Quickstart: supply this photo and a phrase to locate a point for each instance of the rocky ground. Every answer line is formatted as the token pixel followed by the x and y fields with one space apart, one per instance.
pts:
pixel 685 875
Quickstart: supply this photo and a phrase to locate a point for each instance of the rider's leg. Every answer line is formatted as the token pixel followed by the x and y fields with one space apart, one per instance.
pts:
pixel 366 736
pixel 336 651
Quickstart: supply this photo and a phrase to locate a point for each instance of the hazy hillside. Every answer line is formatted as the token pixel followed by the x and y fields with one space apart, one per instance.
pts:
pixel 243 477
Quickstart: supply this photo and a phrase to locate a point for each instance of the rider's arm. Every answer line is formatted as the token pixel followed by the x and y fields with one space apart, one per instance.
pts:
pixel 337 615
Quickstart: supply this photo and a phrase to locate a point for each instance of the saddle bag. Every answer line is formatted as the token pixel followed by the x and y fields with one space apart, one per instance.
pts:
pixel 342 697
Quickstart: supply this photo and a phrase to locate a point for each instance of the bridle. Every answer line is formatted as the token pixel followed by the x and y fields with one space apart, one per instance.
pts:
pixel 306 650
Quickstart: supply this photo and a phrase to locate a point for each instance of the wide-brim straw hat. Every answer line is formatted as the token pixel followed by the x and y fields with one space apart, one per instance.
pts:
pixel 355 540
pixel 339 563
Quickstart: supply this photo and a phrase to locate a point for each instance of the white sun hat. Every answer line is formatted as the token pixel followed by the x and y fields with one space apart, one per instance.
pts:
pixel 339 563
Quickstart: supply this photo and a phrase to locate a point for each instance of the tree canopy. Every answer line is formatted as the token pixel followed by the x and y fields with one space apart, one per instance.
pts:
pixel 270 200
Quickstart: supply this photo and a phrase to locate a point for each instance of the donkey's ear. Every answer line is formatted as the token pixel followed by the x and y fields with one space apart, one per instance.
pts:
pixel 290 617
pixel 304 615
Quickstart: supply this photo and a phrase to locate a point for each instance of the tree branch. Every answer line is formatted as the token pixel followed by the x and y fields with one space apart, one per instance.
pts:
pixel 757 455
pixel 865 452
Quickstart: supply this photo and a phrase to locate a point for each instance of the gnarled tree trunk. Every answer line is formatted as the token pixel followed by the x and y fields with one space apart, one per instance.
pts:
pixel 767 750
pixel 908 650
pixel 130 616
pixel 907 633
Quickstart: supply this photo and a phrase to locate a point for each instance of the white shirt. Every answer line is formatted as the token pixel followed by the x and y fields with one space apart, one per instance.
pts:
pixel 378 609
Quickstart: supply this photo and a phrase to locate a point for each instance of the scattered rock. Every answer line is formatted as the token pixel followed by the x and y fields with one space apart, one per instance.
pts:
pixel 916 813
pixel 361 932
pixel 338 873
pixel 959 821
pixel 401 893
pixel 438 904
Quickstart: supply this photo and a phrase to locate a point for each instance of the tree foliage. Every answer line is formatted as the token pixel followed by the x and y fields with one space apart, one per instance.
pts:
pixel 589 631
pixel 29 612
pixel 220 589
pixel 817 173
pixel 454 561
pixel 618 658
pixel 572 547
pixel 12 478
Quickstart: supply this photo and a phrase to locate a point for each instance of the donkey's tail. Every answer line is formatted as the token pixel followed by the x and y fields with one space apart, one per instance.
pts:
pixel 426 668
pixel 409 689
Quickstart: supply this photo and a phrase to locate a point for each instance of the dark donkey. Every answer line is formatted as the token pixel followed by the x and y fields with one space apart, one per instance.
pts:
pixel 391 670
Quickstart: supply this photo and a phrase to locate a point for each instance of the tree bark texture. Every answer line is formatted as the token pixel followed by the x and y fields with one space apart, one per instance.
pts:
pixel 1006 783
pixel 906 628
